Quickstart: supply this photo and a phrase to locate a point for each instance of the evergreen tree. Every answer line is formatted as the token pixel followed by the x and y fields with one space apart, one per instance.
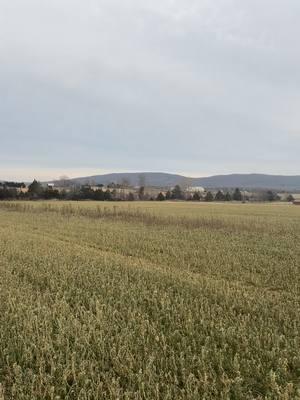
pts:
pixel 168 195
pixel 142 192
pixel 237 195
pixel 177 193
pixel 99 195
pixel 131 197
pixel 107 195
pixel 209 196
pixel 228 197
pixel 160 197
pixel 35 188
pixel 271 196
pixel 220 196
pixel 196 196
pixel 51 194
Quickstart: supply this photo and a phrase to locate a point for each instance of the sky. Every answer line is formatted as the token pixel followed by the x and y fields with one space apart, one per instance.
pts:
pixel 197 87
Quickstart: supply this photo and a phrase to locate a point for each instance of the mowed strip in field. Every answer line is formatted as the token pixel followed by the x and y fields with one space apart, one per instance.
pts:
pixel 149 301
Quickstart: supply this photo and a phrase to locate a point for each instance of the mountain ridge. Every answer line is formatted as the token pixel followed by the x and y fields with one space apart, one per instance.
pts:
pixel 163 179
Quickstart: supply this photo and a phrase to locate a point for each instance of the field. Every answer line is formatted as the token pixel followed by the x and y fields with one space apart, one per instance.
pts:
pixel 149 301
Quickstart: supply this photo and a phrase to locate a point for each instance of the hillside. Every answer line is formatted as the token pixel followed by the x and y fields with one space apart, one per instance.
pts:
pixel 251 181
pixel 247 181
pixel 134 178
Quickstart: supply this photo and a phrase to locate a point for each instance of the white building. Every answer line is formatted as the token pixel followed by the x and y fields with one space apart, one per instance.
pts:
pixel 194 189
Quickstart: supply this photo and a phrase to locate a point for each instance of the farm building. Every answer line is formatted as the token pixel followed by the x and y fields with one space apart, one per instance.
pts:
pixel 14 186
pixel 22 189
pixel 194 189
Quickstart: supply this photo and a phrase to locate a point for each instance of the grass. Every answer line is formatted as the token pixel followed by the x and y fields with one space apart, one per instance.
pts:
pixel 149 301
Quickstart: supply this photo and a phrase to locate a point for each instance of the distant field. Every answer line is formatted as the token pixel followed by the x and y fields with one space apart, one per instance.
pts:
pixel 149 301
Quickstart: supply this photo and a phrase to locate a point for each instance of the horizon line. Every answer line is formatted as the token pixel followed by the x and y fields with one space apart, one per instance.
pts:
pixel 39 177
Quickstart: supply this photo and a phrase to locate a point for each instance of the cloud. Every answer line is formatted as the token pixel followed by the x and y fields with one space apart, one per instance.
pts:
pixel 170 85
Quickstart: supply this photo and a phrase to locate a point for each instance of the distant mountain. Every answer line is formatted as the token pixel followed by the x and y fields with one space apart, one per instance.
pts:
pixel 251 181
pixel 245 181
pixel 134 178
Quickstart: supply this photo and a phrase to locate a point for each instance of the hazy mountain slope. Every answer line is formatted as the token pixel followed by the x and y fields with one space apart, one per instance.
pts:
pixel 250 181
pixel 135 178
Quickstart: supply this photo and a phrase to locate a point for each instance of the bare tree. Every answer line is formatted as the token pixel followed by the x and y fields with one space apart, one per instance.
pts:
pixel 125 183
pixel 142 180
pixel 185 183
pixel 64 181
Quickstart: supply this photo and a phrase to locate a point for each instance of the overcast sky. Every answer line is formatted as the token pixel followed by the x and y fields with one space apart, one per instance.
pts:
pixel 191 86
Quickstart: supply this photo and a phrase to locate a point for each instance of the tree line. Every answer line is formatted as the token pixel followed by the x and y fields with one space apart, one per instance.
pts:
pixel 36 191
